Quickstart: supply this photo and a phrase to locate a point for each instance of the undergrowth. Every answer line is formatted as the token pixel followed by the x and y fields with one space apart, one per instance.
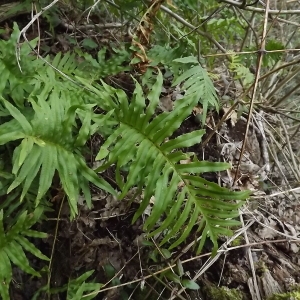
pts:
pixel 47 117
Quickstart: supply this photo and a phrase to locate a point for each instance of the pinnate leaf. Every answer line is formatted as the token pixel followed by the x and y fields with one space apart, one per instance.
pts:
pixel 156 163
pixel 12 246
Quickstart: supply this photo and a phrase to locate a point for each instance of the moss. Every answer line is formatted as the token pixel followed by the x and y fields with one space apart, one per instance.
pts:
pixel 237 242
pixel 261 267
pixel 286 296
pixel 224 293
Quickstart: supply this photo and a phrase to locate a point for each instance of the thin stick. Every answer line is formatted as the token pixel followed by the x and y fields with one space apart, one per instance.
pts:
pixel 23 31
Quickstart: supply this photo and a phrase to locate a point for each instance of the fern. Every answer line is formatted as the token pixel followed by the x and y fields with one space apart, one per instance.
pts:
pixel 47 120
pixel 197 84
pixel 76 288
pixel 219 25
pixel 48 145
pixel 243 73
pixel 13 242
pixel 14 84
pixel 101 66
pixel 140 143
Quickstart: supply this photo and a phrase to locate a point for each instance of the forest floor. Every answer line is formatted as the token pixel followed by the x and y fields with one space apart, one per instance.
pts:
pixel 263 258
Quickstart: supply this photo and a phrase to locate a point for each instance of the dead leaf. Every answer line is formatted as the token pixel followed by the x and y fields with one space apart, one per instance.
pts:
pixel 232 116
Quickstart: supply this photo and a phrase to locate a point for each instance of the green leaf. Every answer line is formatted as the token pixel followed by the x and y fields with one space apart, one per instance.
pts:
pixel 30 163
pixel 67 169
pixel 89 44
pixel 49 162
pixel 153 97
pixel 190 284
pixel 3 240
pixel 26 147
pixel 17 256
pixel 18 116
pixel 173 277
pixel 184 140
pixel 84 132
pixel 5 267
pixel 91 176
pixel 202 167
pixel 166 253
pixel 77 293
pixel 11 136
pixel 12 244
pixel 102 153
pixel 16 228
pixel 198 84
pixel 30 177
pixel 35 234
pixel 187 229
pixel 30 247
pixel 187 60
pixel 69 119
pixel 180 268
pixel 4 289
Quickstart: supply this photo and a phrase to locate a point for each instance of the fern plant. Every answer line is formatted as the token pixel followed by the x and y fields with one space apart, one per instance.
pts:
pixel 48 145
pixel 141 143
pixel 76 289
pixel 46 120
pixel 188 72
pixel 13 242
pixel 101 67
pixel 243 73
pixel 197 84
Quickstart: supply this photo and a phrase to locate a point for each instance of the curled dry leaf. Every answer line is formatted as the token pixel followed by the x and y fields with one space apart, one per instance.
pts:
pixel 269 232
pixel 232 116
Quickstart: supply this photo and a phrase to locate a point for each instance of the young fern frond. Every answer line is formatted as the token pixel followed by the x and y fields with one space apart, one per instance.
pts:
pixel 13 242
pixel 140 143
pixel 197 84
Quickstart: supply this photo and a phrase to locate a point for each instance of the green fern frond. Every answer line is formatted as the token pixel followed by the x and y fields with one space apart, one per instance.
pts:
pixel 76 289
pixel 53 124
pixel 13 242
pixel 197 83
pixel 83 64
pixel 140 144
pixel 101 67
pixel 241 72
pixel 48 144
pixel 14 84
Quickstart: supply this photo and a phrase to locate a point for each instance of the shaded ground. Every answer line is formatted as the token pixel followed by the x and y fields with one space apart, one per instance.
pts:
pixel 103 239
